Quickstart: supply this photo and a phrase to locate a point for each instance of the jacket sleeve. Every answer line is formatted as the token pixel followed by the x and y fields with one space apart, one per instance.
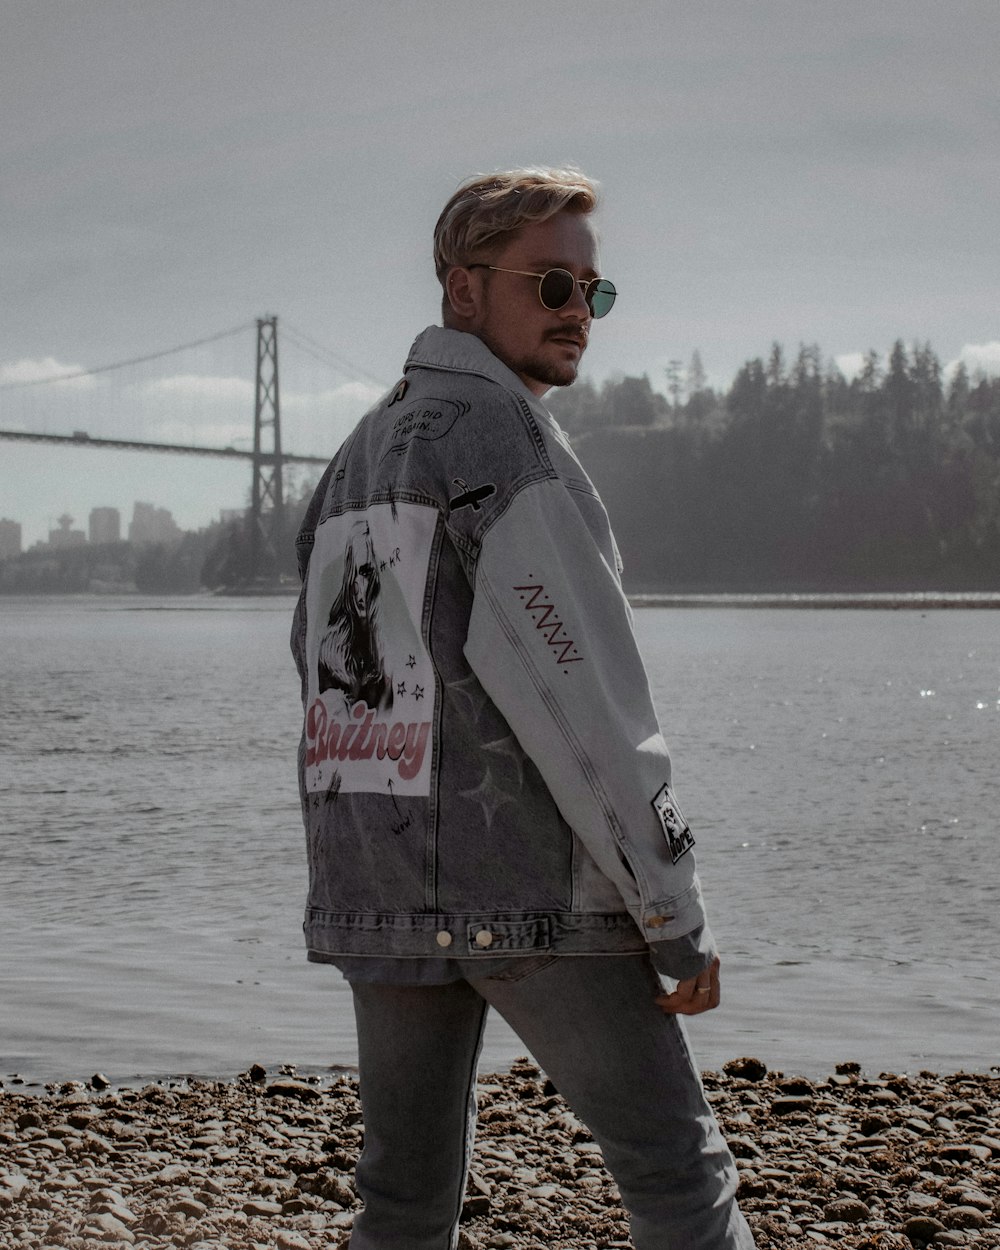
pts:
pixel 550 638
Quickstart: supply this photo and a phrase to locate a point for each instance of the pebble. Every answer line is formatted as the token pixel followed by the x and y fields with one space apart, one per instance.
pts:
pixel 896 1162
pixel 848 1211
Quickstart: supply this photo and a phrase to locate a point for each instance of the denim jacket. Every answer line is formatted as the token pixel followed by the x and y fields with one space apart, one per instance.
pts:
pixel 481 769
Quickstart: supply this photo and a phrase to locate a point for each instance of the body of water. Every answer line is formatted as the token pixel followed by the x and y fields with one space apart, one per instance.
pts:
pixel 838 766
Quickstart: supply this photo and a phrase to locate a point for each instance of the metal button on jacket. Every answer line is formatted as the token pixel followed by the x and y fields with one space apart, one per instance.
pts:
pixel 484 938
pixel 444 938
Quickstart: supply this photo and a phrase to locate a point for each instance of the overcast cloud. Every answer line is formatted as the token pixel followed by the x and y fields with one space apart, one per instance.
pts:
pixel 783 170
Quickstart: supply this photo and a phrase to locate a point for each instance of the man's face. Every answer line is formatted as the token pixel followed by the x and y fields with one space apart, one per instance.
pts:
pixel 543 347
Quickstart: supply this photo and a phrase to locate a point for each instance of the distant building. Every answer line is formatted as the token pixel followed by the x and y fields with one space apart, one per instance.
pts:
pixel 10 539
pixel 105 525
pixel 65 536
pixel 152 525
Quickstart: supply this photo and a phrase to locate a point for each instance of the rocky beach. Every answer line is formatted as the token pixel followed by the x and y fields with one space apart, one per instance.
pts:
pixel 266 1161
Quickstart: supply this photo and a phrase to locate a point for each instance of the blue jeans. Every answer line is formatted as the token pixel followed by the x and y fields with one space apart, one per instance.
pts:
pixel 622 1065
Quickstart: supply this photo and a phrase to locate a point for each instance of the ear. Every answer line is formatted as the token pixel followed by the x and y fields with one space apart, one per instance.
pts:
pixel 463 293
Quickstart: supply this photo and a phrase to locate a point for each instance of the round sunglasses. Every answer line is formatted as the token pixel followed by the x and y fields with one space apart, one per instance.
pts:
pixel 555 289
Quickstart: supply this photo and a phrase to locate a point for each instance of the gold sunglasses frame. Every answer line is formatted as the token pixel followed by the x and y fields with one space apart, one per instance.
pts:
pixel 584 283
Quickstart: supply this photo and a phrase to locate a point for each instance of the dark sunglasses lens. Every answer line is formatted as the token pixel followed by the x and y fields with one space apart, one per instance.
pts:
pixel 600 297
pixel 556 289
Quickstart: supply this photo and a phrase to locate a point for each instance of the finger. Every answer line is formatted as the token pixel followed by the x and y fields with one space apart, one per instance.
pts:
pixel 701 988
pixel 705 998
pixel 670 1005
pixel 712 992
pixel 689 1003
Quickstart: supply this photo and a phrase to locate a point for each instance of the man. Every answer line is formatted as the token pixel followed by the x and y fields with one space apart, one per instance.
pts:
pixel 501 831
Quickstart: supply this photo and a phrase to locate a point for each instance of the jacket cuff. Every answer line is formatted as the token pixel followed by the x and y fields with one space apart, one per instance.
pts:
pixel 684 957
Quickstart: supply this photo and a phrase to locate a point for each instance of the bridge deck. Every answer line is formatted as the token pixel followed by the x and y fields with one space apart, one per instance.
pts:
pixel 79 438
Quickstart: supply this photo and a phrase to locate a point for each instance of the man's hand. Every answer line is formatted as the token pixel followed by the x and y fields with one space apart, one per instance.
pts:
pixel 692 997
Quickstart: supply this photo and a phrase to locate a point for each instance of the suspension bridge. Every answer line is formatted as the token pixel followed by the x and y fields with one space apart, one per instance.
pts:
pixel 266 515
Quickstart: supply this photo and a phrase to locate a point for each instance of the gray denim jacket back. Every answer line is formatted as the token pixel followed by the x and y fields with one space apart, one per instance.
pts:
pixel 481 768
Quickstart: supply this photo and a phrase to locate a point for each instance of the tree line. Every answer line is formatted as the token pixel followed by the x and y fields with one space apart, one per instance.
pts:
pixel 796 478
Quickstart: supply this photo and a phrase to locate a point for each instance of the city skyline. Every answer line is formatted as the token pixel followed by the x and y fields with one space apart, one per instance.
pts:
pixel 150 523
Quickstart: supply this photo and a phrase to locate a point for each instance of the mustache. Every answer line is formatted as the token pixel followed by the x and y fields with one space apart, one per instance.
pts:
pixel 577 334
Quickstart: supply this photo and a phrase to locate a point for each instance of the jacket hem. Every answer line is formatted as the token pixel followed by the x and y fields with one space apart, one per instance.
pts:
pixel 474 935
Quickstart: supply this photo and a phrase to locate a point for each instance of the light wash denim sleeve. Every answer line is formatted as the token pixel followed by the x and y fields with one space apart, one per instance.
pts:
pixel 550 639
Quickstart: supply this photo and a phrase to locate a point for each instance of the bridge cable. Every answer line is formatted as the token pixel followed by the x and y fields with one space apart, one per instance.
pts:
pixel 293 334
pixel 122 364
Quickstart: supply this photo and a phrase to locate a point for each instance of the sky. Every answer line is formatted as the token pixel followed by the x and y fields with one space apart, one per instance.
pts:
pixel 795 170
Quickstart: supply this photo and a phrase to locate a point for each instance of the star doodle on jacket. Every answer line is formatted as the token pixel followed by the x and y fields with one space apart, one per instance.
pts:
pixel 469 690
pixel 509 749
pixel 489 795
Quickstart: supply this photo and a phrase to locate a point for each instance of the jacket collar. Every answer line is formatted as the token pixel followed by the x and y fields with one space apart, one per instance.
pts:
pixel 455 350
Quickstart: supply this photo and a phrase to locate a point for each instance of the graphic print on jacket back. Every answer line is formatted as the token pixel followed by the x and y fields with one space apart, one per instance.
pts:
pixel 370 706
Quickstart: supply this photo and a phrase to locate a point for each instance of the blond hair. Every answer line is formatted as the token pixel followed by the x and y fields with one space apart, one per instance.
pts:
pixel 488 206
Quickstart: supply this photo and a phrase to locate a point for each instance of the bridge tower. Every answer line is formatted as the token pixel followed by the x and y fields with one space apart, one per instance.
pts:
pixel 267 502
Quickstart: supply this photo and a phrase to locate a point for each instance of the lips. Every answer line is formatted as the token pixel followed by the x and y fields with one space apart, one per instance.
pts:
pixel 579 341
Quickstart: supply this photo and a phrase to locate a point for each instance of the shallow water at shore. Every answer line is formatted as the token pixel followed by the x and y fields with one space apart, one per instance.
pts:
pixel 838 767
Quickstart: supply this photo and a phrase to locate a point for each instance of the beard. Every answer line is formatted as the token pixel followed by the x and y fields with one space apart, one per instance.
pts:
pixel 552 373
pixel 547 369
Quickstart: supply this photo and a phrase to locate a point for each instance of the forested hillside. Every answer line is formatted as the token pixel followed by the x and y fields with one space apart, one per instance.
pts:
pixel 794 479
pixel 797 478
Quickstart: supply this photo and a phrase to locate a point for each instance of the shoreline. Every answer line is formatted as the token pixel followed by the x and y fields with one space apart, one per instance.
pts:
pixel 716 598
pixel 895 600
pixel 893 1161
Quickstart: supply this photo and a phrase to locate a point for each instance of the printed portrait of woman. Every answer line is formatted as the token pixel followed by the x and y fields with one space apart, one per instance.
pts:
pixel 351 656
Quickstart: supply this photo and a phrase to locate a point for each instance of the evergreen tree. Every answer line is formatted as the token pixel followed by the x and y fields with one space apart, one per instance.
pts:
pixel 675 383
pixel 697 379
pixel 632 401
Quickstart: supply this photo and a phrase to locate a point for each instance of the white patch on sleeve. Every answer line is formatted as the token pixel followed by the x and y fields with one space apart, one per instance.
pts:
pixel 675 828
